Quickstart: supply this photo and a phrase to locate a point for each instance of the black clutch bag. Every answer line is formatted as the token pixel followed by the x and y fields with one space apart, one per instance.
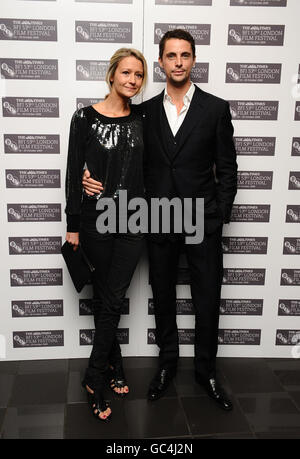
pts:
pixel 79 266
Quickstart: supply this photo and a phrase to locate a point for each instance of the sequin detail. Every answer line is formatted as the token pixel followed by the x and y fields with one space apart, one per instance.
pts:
pixel 111 148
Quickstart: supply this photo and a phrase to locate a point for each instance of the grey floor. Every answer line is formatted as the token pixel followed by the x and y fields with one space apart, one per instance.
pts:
pixel 44 399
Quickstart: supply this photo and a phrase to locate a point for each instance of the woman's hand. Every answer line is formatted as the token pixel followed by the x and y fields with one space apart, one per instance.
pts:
pixel 90 185
pixel 73 239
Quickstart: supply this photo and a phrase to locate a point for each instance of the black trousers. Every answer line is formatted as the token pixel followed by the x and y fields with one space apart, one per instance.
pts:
pixel 115 257
pixel 205 262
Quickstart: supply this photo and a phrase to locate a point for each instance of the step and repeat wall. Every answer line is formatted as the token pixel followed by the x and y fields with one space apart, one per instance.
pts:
pixel 53 59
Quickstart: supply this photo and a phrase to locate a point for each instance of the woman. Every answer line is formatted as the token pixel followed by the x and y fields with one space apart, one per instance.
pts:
pixel 106 138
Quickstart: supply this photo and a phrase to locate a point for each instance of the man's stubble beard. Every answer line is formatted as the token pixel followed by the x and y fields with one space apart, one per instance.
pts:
pixel 179 84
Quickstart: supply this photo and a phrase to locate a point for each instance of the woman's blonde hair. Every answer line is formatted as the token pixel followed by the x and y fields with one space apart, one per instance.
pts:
pixel 116 59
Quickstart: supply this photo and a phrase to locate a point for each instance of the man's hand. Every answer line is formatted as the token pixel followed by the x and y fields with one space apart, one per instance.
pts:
pixel 90 185
pixel 73 239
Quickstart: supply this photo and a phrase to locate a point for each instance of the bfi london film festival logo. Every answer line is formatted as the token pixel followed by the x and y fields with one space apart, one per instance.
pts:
pixel 103 32
pixel 255 146
pixel 184 2
pixel 86 336
pixel 289 338
pixel 235 336
pixel 251 213
pixel 200 32
pixel 241 306
pixel 28 29
pixel 34 245
pixel 258 2
pixel 36 277
pixel 42 107
pixel 29 178
pixel 105 1
pixel 31 143
pixel 38 338
pixel 245 245
pixel 91 70
pixel 255 35
pixel 296 146
pixel 289 307
pixel 181 216
pixel 36 308
pixel 294 180
pixel 254 109
pixel 34 212
pixel 292 214
pixel 87 308
pixel 258 180
pixel 186 336
pixel 290 277
pixel 297 111
pixel 253 73
pixel 29 69
pixel 291 246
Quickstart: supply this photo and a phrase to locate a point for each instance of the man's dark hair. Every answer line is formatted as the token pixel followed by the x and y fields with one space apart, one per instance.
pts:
pixel 180 34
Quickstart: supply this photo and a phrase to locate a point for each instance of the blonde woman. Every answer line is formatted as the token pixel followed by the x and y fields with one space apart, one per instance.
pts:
pixel 107 139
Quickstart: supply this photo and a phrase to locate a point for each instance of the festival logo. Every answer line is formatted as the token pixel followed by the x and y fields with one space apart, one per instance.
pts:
pixel 255 35
pixel 43 107
pixel 255 146
pixel 246 337
pixel 28 29
pixel 29 69
pixel 31 143
pixel 28 178
pixel 37 308
pixel 251 213
pixel 103 32
pixel 241 307
pixel 253 73
pixel 200 32
pixel 33 213
pixel 48 338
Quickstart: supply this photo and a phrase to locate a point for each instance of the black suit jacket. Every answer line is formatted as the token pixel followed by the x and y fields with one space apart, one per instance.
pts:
pixel 201 165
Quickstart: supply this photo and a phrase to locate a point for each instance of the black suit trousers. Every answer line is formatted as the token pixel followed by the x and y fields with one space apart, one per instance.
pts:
pixel 205 263
pixel 115 257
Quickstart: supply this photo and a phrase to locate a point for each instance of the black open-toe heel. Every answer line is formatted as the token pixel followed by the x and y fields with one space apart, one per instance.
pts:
pixel 117 380
pixel 97 403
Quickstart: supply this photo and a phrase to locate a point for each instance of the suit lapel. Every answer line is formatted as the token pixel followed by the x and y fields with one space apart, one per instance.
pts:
pixel 161 122
pixel 194 114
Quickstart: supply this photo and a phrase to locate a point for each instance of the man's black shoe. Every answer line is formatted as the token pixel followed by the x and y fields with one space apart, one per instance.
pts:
pixel 160 383
pixel 217 393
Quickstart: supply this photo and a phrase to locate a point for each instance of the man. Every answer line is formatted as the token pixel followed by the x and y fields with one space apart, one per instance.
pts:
pixel 189 153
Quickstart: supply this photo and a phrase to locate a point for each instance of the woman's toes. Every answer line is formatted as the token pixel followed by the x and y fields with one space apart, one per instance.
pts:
pixel 105 414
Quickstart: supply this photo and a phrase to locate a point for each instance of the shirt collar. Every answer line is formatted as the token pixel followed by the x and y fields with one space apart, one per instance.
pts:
pixel 186 99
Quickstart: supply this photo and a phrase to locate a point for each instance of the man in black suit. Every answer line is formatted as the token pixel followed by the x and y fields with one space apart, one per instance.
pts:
pixel 189 153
